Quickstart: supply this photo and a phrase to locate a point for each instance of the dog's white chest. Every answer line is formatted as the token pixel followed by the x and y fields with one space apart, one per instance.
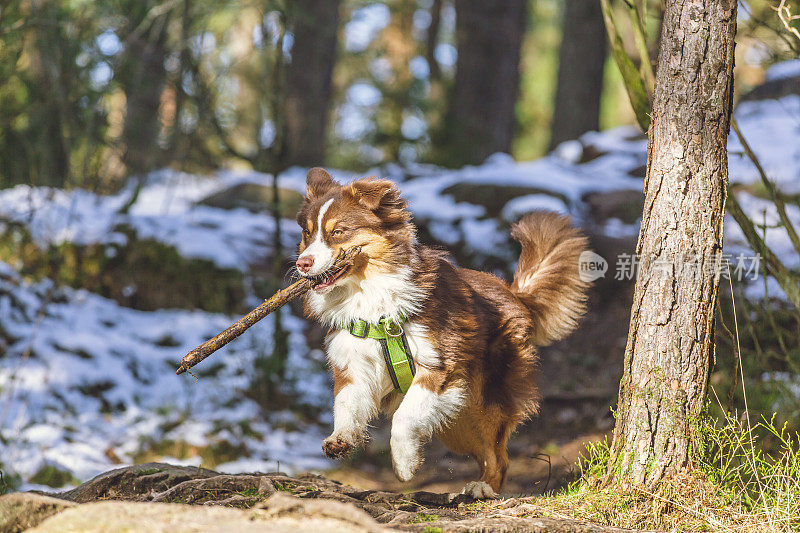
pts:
pixel 363 359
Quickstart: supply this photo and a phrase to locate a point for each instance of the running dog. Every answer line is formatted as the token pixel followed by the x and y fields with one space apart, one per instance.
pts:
pixel 468 350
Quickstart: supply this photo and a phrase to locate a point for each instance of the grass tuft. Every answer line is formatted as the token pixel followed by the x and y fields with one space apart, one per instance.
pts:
pixel 734 486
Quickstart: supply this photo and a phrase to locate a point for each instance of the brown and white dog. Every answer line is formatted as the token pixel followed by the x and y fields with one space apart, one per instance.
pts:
pixel 472 336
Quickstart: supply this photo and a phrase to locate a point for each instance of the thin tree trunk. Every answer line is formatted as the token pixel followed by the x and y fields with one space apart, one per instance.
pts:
pixel 398 47
pixel 580 71
pixel 176 149
pixel 49 115
pixel 670 342
pixel 481 116
pixel 308 80
pixel 432 40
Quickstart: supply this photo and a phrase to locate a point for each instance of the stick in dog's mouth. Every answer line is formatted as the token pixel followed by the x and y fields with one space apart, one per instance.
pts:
pixel 341 265
pixel 328 278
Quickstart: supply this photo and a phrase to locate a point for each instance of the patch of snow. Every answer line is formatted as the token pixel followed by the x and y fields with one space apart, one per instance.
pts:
pixel 614 227
pixel 784 70
pixel 772 128
pixel 517 207
pixel 95 381
pixel 569 151
pixel 165 210
pixel 483 236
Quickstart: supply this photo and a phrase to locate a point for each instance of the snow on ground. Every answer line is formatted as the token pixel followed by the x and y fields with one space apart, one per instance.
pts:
pixel 772 128
pixel 166 210
pixel 85 382
pixel 556 175
pixel 90 381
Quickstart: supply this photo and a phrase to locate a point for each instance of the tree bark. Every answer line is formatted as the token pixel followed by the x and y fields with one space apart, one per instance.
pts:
pixel 670 341
pixel 308 80
pixel 580 71
pixel 481 115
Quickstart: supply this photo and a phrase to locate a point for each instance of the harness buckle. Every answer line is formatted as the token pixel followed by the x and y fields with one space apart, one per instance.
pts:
pixel 392 327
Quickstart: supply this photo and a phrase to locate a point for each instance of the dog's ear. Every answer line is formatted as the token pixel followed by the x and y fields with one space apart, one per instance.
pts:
pixel 382 197
pixel 318 182
pixel 376 194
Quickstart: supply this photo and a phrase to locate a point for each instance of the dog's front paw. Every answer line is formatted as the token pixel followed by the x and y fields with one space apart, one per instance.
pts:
pixel 337 447
pixel 406 458
pixel 479 490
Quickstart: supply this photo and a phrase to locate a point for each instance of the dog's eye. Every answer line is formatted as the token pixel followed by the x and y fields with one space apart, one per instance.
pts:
pixel 337 233
pixel 306 233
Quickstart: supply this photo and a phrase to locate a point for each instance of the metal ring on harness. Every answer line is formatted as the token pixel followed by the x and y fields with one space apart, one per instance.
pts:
pixel 389 323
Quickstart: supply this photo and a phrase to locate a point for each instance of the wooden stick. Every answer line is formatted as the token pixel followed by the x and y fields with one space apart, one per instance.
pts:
pixel 279 299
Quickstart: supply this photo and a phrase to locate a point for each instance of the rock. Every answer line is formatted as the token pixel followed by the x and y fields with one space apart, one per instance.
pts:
pixel 624 205
pixel 255 198
pixel 21 511
pixel 138 483
pixel 491 196
pixel 774 89
pixel 170 518
pixel 281 506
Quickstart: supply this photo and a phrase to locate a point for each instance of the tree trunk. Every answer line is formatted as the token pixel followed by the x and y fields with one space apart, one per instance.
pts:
pixel 481 115
pixel 49 113
pixel 398 46
pixel 143 79
pixel 670 341
pixel 580 71
pixel 308 80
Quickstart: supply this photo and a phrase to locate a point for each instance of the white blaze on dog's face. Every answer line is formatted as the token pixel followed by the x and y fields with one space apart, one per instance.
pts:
pixel 320 253
pixel 368 212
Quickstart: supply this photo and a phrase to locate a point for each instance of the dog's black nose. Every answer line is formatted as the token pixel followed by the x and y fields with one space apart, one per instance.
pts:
pixel 304 264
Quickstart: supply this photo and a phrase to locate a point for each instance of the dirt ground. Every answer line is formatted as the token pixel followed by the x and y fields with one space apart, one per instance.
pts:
pixel 156 497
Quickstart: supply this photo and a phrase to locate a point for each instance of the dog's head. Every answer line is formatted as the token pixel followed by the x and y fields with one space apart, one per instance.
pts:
pixel 368 212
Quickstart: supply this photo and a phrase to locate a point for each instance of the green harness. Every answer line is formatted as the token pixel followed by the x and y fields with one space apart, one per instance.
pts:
pixel 396 353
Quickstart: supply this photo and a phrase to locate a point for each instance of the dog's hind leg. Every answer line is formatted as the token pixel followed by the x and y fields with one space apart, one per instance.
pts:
pixel 483 435
pixel 421 413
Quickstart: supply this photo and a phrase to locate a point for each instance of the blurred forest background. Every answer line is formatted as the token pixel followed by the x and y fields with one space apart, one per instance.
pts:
pixel 92 92
pixel 152 158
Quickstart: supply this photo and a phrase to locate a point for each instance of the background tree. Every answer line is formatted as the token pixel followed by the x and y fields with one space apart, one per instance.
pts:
pixel 396 47
pixel 314 25
pixel 52 81
pixel 671 336
pixel 142 75
pixel 480 119
pixel 581 62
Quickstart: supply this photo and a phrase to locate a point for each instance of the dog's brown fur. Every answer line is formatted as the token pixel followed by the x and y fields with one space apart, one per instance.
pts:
pixel 484 330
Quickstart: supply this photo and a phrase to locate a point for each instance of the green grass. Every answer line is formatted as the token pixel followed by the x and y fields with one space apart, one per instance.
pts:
pixel 149 471
pixel 8 481
pixel 734 485
pixel 54 477
pixel 765 483
pixel 422 517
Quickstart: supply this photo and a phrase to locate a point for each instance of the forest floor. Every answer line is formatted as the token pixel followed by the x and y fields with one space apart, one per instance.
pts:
pixel 155 497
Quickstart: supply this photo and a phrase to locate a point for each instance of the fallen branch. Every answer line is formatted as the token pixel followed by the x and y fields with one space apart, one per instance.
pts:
pixel 278 300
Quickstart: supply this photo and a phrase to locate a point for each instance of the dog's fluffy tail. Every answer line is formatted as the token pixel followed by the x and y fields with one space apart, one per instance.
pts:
pixel 547 279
